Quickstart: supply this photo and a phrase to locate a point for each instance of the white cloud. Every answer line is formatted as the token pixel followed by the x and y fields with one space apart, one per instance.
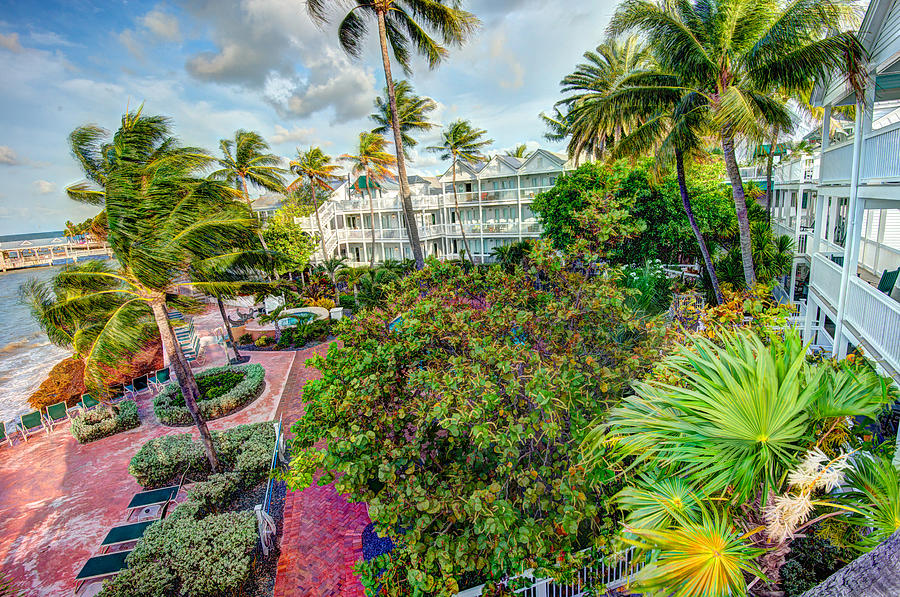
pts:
pixel 129 39
pixel 294 135
pixel 8 156
pixel 516 70
pixel 11 42
pixel 44 187
pixel 162 24
pixel 49 38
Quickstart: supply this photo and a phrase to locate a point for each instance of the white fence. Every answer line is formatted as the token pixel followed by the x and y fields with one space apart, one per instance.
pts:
pixel 836 163
pixel 876 316
pixel 825 277
pixel 596 575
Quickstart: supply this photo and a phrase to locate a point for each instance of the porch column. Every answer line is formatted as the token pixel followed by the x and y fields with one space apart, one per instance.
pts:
pixel 811 308
pixel 519 204
pixel 480 222
pixel 864 110
pixel 796 243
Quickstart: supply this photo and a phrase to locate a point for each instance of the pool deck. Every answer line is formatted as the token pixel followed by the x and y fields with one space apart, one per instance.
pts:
pixel 58 499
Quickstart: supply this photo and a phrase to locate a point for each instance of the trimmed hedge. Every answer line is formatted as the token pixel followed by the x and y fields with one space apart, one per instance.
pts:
pixel 243 449
pixel 201 549
pixel 246 391
pixel 89 426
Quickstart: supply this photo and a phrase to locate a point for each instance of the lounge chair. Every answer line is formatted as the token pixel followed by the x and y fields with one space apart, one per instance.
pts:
pixel 108 564
pixel 137 386
pixel 153 497
pixel 56 413
pixel 3 434
pixel 159 379
pixel 88 402
pixel 32 423
pixel 126 533
pixel 888 279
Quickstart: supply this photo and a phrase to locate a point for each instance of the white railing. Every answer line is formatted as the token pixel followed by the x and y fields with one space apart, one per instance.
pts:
pixel 876 316
pixel 836 163
pixel 594 575
pixel 881 155
pixel 757 172
pixel 825 277
pixel 530 192
pixel 502 195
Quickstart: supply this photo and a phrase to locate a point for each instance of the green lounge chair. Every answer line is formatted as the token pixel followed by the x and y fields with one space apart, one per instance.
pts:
pixel 153 497
pixel 888 279
pixel 32 423
pixel 88 402
pixel 125 533
pixel 56 413
pixel 100 566
pixel 159 379
pixel 3 434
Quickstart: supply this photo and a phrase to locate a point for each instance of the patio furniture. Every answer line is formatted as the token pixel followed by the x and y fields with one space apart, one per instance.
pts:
pixel 152 497
pixel 88 402
pixel 108 564
pixel 137 386
pixel 56 413
pixel 126 533
pixel 3 434
pixel 888 279
pixel 159 379
pixel 32 423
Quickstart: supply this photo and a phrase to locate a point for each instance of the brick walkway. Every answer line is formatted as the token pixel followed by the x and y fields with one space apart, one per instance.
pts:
pixel 321 541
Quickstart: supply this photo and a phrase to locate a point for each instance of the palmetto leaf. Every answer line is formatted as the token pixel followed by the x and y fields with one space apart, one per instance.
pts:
pixel 658 502
pixel 874 488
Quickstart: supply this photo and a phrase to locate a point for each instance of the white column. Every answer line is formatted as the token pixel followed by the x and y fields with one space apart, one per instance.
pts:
pixel 519 204
pixel 854 213
pixel 480 222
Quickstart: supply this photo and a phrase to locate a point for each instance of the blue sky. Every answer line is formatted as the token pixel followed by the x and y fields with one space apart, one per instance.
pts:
pixel 218 65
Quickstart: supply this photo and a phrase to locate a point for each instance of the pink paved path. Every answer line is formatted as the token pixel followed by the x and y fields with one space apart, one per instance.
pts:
pixel 58 498
pixel 321 529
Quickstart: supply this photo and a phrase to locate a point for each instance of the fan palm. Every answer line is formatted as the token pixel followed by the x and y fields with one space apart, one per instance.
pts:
pixel 333 267
pixel 373 162
pixel 373 287
pixel 313 167
pixel 352 276
pixel 874 489
pixel 592 130
pixel 732 53
pixel 168 227
pixel 413 112
pixel 401 24
pixel 461 141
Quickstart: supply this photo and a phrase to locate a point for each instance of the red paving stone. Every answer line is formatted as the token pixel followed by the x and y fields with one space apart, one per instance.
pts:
pixel 58 498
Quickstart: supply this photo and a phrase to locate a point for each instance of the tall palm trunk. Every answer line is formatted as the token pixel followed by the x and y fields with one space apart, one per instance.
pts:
pixel 184 376
pixel 405 198
pixel 770 165
pixel 740 208
pixel 372 216
pixel 686 201
pixel 462 229
pixel 228 330
pixel 312 186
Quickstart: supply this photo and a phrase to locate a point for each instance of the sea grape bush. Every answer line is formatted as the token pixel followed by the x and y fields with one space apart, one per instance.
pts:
pixel 88 426
pixel 223 390
pixel 459 425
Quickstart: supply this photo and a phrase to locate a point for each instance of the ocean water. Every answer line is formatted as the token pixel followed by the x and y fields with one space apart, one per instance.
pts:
pixel 26 354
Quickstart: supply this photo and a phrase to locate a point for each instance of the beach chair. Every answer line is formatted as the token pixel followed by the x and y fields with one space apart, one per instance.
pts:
pixel 175 315
pixel 3 434
pixel 32 423
pixel 56 413
pixel 88 402
pixel 888 279
pixel 126 533
pixel 159 379
pixel 153 497
pixel 136 387
pixel 102 566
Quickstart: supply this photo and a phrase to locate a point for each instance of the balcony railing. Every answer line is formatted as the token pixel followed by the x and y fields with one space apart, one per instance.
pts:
pixel 881 155
pixel 507 195
pixel 876 316
pixel 836 163
pixel 825 278
pixel 531 192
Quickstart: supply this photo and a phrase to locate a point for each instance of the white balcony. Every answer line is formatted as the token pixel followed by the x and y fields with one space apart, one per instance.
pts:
pixel 881 155
pixel 836 163
pixel 825 278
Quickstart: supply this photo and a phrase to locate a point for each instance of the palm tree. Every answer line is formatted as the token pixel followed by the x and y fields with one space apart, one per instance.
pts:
pixel 669 124
pixel 245 161
pixel 373 162
pixel 314 168
pixel 168 227
pixel 461 141
pixel 519 151
pixel 732 53
pixel 352 276
pixel 412 113
pixel 401 24
pixel 590 130
pixel 333 267
pixel 373 287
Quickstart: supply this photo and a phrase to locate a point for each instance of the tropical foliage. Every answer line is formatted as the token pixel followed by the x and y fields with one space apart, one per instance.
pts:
pixel 412 113
pixel 372 161
pixel 460 426
pixel 285 236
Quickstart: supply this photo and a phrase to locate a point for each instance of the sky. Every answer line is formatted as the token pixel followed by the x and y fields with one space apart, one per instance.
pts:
pixel 215 66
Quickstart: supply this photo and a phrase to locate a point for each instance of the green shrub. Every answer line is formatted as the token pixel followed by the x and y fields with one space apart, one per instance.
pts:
pixel 245 449
pixel 315 331
pixel 263 341
pixel 811 560
pixel 349 302
pixel 229 388
pixel 88 426
pixel 245 339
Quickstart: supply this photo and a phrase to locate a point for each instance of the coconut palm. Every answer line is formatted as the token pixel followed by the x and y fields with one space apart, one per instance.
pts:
pixel 732 53
pixel 373 162
pixel 461 141
pixel 245 161
pixel 168 227
pixel 401 24
pixel 557 125
pixel 591 130
pixel 413 112
pixel 519 151
pixel 314 168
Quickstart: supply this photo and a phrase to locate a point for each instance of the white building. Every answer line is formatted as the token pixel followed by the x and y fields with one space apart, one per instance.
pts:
pixel 842 208
pixel 494 210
